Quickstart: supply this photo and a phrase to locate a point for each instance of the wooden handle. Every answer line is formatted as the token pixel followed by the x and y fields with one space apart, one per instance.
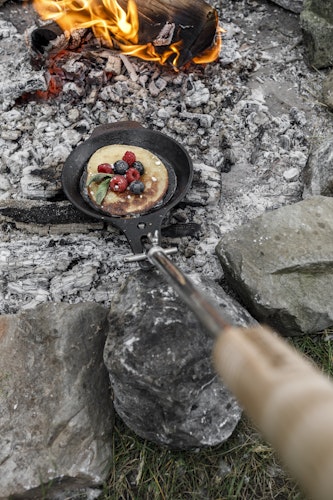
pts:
pixel 288 399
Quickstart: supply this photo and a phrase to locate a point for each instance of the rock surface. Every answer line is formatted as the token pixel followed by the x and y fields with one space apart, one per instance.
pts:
pixel 281 264
pixel 292 5
pixel 318 172
pixel 56 414
pixel 317 26
pixel 328 91
pixel 159 361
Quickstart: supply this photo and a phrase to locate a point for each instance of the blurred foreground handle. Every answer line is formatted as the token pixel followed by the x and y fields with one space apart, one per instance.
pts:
pixel 288 399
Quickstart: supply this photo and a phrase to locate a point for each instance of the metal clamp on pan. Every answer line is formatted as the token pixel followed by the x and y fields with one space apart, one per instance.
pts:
pixel 144 256
pixel 154 240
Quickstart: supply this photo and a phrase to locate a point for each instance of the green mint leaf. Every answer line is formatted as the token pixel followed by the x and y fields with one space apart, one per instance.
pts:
pixel 102 190
pixel 99 178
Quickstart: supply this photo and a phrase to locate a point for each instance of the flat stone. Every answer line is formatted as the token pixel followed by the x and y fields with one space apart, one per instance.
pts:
pixel 56 414
pixel 281 265
pixel 159 361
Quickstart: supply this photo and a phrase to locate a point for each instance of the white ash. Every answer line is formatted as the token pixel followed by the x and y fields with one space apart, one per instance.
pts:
pixel 248 122
pixel 292 174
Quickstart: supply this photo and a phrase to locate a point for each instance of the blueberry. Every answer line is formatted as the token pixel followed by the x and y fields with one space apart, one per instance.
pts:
pixel 120 167
pixel 138 165
pixel 137 187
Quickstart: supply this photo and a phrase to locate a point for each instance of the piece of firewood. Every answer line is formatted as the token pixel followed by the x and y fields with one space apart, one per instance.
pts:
pixel 190 24
pixel 163 22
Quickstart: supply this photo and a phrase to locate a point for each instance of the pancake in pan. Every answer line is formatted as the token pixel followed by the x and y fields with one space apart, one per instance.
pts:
pixel 155 180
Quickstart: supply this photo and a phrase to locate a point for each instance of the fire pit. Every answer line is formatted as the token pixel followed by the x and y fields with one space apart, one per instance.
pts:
pixel 245 125
pixel 248 120
pixel 173 34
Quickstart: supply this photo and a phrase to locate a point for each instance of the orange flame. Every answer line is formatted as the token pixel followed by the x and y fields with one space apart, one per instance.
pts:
pixel 211 54
pixel 109 22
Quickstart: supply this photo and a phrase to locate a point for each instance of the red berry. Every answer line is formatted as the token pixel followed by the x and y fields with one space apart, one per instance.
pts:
pixel 105 168
pixel 118 184
pixel 129 157
pixel 132 174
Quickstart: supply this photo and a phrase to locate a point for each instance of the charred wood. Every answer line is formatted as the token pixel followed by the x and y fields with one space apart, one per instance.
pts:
pixel 161 24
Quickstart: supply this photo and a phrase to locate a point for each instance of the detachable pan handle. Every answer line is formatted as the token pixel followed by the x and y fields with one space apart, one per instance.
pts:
pixel 289 400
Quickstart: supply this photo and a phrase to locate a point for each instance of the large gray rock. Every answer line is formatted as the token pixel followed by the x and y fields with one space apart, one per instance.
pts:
pixel 159 361
pixel 281 264
pixel 56 415
pixel 292 5
pixel 318 172
pixel 317 25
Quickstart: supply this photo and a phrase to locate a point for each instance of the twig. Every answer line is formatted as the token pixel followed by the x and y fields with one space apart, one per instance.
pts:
pixel 130 68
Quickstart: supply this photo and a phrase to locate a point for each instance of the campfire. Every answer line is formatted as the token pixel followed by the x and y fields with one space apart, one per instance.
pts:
pixel 255 128
pixel 169 32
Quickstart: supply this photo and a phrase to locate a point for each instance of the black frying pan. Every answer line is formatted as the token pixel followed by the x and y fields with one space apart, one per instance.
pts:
pixel 172 154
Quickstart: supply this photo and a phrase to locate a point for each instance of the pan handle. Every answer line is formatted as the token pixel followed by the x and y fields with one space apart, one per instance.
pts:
pixel 288 399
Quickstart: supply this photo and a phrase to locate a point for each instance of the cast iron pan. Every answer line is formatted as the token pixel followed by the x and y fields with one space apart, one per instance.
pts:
pixel 172 154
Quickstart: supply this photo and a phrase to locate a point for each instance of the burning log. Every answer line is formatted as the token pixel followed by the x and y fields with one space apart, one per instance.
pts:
pixel 166 31
pixel 191 24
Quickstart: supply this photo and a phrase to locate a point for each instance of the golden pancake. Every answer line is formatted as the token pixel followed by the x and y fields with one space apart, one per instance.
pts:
pixel 154 178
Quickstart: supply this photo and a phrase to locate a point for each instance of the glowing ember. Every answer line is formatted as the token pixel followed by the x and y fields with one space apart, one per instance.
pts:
pixel 119 28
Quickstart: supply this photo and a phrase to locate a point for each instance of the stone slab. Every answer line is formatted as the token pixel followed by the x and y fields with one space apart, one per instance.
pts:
pixel 281 265
pixel 56 414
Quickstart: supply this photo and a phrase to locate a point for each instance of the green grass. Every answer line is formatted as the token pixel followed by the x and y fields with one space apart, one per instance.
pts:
pixel 243 468
pixel 319 348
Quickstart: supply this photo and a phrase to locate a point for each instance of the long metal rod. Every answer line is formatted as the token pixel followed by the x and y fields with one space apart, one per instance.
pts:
pixel 207 314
